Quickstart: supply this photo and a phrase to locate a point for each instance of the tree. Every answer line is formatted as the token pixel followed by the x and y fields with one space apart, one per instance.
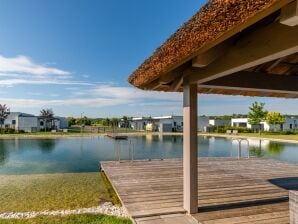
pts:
pixel 257 114
pixel 274 118
pixel 71 121
pixel 47 115
pixel 106 122
pixel 115 121
pixel 125 121
pixel 4 112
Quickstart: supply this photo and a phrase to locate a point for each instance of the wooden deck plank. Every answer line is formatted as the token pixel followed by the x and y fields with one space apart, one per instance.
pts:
pixel 230 190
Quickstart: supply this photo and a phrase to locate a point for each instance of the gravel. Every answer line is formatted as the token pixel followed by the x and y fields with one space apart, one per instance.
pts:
pixel 106 208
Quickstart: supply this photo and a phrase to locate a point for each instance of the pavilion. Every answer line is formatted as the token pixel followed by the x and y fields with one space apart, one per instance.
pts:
pixel 231 47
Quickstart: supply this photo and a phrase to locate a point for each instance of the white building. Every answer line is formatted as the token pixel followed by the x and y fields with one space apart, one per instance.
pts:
pixel 290 124
pixel 219 122
pixel 165 123
pixel 240 122
pixel 139 123
pixel 21 122
pixel 30 123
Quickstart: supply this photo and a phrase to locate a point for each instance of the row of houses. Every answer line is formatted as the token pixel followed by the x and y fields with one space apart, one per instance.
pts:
pixel 31 123
pixel 175 124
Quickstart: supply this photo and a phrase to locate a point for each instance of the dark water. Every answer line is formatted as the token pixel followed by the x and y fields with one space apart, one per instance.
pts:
pixel 31 156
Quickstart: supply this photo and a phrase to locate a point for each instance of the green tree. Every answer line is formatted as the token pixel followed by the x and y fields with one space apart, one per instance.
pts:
pixel 71 121
pixel 47 116
pixel 4 112
pixel 257 114
pixel 125 121
pixel 115 121
pixel 274 118
pixel 83 121
pixel 106 122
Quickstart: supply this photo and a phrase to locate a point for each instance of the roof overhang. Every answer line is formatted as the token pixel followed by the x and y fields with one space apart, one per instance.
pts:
pixel 248 48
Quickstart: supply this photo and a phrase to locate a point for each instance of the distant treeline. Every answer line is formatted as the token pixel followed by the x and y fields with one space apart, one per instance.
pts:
pixel 110 122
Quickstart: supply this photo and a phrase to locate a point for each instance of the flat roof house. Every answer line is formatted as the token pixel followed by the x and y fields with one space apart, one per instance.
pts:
pixel 21 122
pixel 243 47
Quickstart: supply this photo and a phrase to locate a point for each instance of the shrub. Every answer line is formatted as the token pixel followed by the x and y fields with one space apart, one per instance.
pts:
pixel 7 131
pixel 223 129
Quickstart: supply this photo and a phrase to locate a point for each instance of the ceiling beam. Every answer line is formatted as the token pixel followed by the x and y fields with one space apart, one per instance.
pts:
pixel 175 86
pixel 168 78
pixel 289 14
pixel 255 81
pixel 257 47
pixel 206 58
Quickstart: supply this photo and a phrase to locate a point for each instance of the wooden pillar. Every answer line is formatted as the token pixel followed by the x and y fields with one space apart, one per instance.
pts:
pixel 190 147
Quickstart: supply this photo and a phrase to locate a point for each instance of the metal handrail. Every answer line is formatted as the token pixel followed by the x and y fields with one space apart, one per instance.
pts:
pixel 239 146
pixel 117 148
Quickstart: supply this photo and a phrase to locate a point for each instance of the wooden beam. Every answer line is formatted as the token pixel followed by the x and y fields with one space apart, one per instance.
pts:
pixel 167 78
pixel 175 86
pixel 260 46
pixel 289 14
pixel 255 81
pixel 190 147
pixel 206 58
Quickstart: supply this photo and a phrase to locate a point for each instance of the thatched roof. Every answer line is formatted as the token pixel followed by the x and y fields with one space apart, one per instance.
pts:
pixel 217 20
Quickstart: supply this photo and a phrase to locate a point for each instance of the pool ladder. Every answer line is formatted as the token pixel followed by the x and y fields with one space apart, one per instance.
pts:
pixel 117 148
pixel 240 140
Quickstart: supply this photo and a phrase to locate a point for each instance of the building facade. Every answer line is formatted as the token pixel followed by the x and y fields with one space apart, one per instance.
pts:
pixel 290 124
pixel 170 123
pixel 30 123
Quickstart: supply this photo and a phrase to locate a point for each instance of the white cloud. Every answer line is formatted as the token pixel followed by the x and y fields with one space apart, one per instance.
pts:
pixel 14 82
pixel 24 65
pixel 100 96
pixel 120 92
pixel 21 70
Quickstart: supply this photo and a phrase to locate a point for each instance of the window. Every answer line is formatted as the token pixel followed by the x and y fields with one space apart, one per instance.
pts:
pixel 175 123
pixel 13 122
pixel 291 126
pixel 41 123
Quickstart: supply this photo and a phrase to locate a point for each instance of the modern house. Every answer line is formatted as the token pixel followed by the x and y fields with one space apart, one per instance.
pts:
pixel 165 123
pixel 31 123
pixel 21 121
pixel 290 124
pixel 219 122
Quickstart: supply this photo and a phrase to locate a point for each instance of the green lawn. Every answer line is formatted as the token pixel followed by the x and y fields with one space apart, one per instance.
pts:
pixel 277 136
pixel 20 193
pixel 71 219
pixel 273 136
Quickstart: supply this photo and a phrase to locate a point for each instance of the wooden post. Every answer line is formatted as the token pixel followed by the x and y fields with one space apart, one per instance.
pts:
pixel 190 160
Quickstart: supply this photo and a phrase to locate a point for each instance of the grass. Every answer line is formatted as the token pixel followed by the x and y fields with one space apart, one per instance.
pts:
pixel 71 219
pixel 293 137
pixel 21 193
pixel 277 136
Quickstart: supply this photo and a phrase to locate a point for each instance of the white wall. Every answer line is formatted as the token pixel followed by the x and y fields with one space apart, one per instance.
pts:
pixel 203 123
pixel 219 122
pixel 27 124
pixel 240 122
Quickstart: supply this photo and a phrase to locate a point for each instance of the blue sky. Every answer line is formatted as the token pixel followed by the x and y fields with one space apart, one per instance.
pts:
pixel 75 56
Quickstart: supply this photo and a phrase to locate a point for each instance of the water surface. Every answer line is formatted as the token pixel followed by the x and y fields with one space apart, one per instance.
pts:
pixel 31 156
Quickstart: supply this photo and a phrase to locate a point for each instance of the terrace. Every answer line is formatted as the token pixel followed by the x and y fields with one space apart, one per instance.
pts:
pixel 243 47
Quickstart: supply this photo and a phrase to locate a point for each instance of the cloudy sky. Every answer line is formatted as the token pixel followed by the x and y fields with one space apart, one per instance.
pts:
pixel 75 56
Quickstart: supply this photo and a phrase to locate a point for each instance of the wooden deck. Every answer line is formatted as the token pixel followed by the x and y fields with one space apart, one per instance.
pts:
pixel 230 191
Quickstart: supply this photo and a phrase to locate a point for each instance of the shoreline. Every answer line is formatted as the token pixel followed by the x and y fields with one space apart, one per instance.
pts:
pixel 88 135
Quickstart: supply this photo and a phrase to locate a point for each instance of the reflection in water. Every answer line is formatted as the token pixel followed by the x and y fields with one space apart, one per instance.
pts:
pixel 3 152
pixel 275 148
pixel 256 151
pixel 47 145
pixel 27 156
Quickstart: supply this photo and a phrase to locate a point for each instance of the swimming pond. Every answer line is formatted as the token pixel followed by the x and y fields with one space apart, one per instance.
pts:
pixel 65 155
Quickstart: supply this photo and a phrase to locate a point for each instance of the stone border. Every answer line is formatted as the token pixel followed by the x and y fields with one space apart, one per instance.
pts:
pixel 106 208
